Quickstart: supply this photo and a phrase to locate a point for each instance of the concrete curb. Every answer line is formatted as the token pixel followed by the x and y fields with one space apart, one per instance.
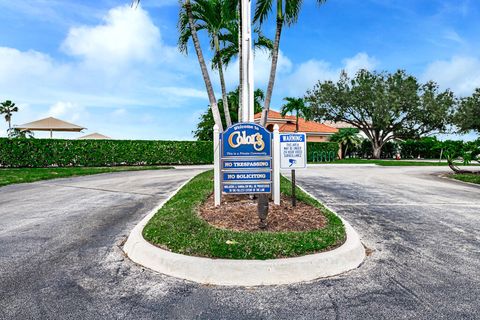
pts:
pixel 244 272
pixel 460 182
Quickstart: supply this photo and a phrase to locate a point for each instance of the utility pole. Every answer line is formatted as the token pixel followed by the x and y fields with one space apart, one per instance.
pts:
pixel 247 61
pixel 247 90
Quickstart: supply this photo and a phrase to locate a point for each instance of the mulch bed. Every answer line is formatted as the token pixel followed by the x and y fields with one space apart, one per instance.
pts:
pixel 239 213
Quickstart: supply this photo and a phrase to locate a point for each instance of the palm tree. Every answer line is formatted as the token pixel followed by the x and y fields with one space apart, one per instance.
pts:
pixel 232 46
pixel 298 106
pixel 287 12
pixel 212 16
pixel 346 137
pixel 187 22
pixel 7 108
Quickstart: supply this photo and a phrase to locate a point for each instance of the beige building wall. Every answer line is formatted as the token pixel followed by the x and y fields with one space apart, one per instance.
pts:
pixel 317 138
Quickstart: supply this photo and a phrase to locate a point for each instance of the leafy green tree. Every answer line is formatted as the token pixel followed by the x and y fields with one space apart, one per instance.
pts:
pixel 467 116
pixel 384 106
pixel 286 12
pixel 204 131
pixel 348 139
pixel 7 108
pixel 298 107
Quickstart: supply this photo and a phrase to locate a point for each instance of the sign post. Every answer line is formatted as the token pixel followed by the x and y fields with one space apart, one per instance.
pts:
pixel 293 151
pixel 216 166
pixel 276 165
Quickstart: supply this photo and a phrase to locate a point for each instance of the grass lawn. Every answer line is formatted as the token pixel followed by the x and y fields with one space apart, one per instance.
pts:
pixel 389 162
pixel 178 228
pixel 473 178
pixel 22 175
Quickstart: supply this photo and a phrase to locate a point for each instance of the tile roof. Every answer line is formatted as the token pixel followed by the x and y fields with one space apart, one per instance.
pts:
pixel 303 126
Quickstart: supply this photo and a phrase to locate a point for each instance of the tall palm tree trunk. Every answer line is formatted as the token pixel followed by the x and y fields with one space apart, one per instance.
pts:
pixel 226 109
pixel 273 69
pixel 203 66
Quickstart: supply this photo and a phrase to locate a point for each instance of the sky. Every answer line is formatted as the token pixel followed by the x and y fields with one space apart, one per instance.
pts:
pixel 116 70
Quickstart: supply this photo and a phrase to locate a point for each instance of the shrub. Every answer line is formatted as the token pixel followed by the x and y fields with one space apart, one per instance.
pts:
pixel 93 153
pixel 431 148
pixel 322 151
pixel 36 153
pixel 365 150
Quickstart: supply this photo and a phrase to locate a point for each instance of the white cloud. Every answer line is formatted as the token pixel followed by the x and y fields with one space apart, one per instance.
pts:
pixel 120 112
pixel 127 34
pixel 452 35
pixel 118 62
pixel 262 65
pixel 261 70
pixel 461 74
pixel 295 80
pixel 132 73
pixel 308 73
pixel 360 61
pixel 184 92
pixel 19 68
pixel 67 111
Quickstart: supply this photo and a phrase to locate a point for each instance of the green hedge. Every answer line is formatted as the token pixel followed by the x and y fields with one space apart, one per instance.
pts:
pixel 322 151
pixel 93 153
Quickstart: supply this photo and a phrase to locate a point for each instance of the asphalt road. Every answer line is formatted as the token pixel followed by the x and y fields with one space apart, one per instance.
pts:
pixel 60 255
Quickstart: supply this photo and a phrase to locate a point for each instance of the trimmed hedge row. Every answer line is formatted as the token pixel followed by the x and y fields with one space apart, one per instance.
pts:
pixel 322 151
pixel 95 153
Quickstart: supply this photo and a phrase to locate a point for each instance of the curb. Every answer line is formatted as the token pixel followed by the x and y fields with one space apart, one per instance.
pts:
pixel 444 176
pixel 229 272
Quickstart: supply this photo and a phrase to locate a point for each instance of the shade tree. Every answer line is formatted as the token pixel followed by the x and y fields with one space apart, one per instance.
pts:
pixel 384 106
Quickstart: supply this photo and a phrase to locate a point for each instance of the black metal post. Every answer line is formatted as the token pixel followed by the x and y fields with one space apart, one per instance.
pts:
pixel 294 198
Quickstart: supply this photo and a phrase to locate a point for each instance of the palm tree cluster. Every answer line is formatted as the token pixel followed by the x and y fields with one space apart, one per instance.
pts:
pixel 297 106
pixel 7 108
pixel 220 19
pixel 348 139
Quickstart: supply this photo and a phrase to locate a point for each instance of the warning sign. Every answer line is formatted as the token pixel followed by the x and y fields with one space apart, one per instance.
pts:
pixel 293 150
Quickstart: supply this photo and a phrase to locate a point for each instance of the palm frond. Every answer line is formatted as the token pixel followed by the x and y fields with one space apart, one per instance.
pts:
pixel 292 11
pixel 262 10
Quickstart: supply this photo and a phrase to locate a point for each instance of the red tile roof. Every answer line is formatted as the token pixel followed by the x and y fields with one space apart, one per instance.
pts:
pixel 303 126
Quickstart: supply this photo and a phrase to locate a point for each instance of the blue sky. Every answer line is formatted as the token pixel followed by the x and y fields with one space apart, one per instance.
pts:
pixel 117 71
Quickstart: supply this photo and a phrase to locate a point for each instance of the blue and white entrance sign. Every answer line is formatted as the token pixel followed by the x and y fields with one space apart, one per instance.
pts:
pixel 247 188
pixel 246 140
pixel 293 150
pixel 247 176
pixel 247 164
pixel 246 156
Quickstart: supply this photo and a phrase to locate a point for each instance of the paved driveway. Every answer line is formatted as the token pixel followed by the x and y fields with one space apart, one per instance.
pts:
pixel 59 255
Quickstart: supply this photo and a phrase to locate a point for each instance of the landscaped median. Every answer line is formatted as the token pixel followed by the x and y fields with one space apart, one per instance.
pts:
pixel 182 244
